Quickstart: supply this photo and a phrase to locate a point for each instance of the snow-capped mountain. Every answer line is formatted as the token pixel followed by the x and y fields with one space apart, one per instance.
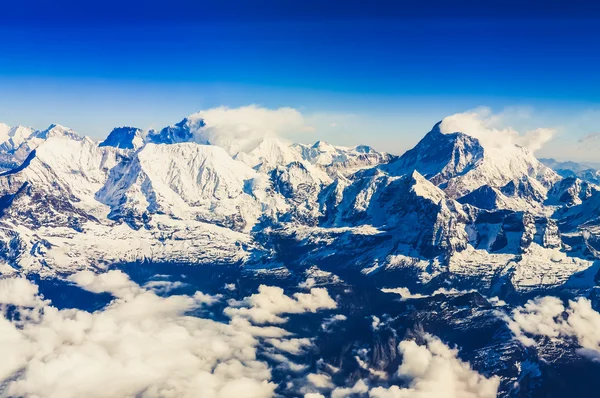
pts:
pixel 585 171
pixel 431 212
pixel 125 138
pixel 16 143
pixel 460 165
pixel 451 236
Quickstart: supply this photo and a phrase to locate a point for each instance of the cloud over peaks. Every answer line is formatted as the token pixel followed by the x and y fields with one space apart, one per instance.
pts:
pixel 491 130
pixel 241 129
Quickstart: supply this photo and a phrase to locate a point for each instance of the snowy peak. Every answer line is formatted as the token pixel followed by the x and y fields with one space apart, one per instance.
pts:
pixel 584 171
pixel 270 152
pixel 341 161
pixel 195 171
pixel 186 181
pixel 440 157
pixel 12 137
pixel 56 130
pixel 183 131
pixel 491 177
pixel 124 138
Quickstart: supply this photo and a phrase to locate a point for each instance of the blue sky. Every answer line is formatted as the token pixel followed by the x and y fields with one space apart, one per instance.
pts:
pixel 376 72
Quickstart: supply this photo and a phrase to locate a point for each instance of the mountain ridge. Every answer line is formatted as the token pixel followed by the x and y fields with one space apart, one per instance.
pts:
pixel 448 196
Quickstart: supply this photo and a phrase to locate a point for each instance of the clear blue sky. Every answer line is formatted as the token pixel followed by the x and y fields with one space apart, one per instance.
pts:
pixel 390 69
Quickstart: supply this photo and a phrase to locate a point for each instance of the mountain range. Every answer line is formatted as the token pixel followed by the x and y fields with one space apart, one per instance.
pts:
pixel 169 195
pixel 441 237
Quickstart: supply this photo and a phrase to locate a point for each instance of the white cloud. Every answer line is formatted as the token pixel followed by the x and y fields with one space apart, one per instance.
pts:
pixel 327 322
pixel 18 291
pixel 359 388
pixel 141 344
pixel 490 129
pixel 434 370
pixel 113 282
pixel 270 302
pixel 320 380
pixel 548 316
pixel 230 286
pixel 164 286
pixel 405 293
pixel 241 129
pixel 291 346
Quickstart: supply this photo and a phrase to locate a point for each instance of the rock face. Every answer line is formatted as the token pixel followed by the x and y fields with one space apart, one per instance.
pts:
pixel 124 138
pixel 449 209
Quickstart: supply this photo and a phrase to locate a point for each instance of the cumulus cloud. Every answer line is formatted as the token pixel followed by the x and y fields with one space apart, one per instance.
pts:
pixel 140 345
pixel 434 370
pixel 270 302
pixel 342 392
pixel 18 291
pixel 548 316
pixel 428 370
pixel 490 130
pixel 241 129
pixel 291 346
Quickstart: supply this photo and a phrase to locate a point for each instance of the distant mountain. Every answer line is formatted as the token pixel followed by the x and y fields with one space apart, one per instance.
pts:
pixel 584 171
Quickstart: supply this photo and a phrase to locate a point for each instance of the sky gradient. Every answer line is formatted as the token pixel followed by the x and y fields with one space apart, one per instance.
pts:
pixel 379 73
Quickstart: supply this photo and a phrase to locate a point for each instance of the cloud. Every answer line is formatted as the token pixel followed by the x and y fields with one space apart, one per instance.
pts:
pixel 428 370
pixel 241 129
pixel 591 137
pixel 342 392
pixel 270 302
pixel 19 291
pixel 490 129
pixel 434 370
pixel 548 316
pixel 405 293
pixel 328 322
pixel 320 380
pixel 291 346
pixel 141 344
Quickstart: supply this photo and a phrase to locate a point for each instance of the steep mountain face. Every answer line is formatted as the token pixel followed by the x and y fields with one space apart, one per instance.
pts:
pixel 507 177
pixel 571 191
pixel 62 176
pixel 124 138
pixel 184 131
pixel 185 181
pixel 440 157
pixel 396 205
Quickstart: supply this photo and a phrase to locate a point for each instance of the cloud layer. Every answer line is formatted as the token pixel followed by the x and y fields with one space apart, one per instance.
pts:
pixel 141 344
